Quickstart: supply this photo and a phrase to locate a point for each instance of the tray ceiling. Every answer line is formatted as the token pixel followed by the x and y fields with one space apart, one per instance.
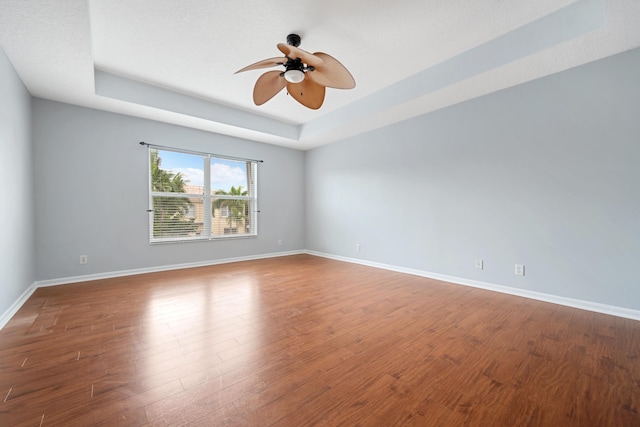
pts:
pixel 175 61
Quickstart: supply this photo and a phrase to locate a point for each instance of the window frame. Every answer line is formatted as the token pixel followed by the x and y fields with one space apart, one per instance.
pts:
pixel 208 196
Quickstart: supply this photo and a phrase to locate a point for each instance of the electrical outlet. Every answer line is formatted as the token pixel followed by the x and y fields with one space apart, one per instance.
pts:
pixel 479 264
pixel 280 242
pixel 519 270
pixel 84 259
pixel 357 247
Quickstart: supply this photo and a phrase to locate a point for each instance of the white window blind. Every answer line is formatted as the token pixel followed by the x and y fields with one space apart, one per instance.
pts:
pixel 200 196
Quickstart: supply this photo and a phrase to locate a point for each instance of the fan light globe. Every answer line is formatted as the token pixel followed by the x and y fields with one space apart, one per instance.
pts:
pixel 294 76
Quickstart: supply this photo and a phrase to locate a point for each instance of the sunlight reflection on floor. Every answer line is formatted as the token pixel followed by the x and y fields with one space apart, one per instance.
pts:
pixel 203 327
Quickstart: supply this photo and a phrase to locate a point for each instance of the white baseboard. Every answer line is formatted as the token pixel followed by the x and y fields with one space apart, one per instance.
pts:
pixel 569 302
pixel 122 273
pixel 13 309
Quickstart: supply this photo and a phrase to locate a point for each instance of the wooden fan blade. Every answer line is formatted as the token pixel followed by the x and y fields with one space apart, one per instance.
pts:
pixel 267 86
pixel 307 92
pixel 294 52
pixel 265 63
pixel 332 73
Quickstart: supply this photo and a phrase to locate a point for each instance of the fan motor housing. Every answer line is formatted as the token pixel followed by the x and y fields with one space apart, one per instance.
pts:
pixel 293 40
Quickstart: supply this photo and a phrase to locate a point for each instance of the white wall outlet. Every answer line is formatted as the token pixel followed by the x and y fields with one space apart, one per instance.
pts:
pixel 479 264
pixel 280 242
pixel 84 259
pixel 519 270
pixel 357 247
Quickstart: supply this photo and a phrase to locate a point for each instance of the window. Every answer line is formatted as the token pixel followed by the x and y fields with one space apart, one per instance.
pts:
pixel 199 196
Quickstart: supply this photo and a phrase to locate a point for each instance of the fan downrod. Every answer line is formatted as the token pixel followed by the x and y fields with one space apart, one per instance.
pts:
pixel 293 40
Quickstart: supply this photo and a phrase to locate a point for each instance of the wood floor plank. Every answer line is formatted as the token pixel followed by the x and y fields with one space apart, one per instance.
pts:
pixel 302 340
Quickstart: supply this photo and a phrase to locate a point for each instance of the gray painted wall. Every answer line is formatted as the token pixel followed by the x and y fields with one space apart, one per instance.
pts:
pixel 545 174
pixel 17 248
pixel 92 193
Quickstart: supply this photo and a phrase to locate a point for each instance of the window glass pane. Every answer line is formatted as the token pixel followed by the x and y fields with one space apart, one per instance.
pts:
pixel 228 177
pixel 230 187
pixel 175 217
pixel 230 216
pixel 175 172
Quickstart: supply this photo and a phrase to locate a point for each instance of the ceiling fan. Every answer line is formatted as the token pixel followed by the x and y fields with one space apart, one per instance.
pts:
pixel 306 75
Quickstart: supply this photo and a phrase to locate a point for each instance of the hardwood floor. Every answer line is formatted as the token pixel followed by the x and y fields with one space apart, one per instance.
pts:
pixel 302 340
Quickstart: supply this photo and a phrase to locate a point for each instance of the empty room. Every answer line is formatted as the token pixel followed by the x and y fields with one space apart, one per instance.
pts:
pixel 320 213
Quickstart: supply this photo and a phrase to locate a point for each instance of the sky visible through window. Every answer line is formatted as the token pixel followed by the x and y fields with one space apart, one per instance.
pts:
pixel 224 173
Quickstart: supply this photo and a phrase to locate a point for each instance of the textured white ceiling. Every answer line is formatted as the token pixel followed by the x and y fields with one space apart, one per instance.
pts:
pixel 174 61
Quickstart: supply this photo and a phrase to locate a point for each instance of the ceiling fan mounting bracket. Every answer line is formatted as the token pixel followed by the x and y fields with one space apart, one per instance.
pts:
pixel 293 40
